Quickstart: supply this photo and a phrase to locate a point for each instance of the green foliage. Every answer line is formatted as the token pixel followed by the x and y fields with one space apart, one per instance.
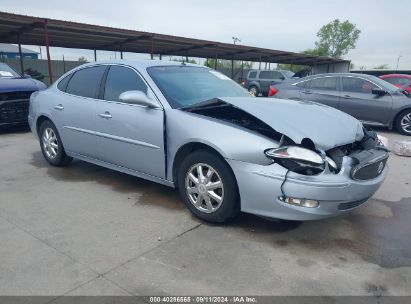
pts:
pixel 184 60
pixel 226 64
pixel 34 74
pixel 82 59
pixel 337 38
pixel 291 67
pixel 381 66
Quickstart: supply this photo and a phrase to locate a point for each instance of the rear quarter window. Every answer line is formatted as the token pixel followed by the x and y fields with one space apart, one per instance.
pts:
pixel 62 85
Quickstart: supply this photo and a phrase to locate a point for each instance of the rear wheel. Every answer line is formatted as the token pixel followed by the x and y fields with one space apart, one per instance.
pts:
pixel 253 90
pixel 51 145
pixel 403 123
pixel 208 186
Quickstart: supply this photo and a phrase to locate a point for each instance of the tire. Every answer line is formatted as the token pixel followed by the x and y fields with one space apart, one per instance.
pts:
pixel 51 145
pixel 196 201
pixel 403 122
pixel 253 91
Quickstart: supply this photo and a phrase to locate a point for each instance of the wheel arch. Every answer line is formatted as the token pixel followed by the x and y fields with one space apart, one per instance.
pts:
pixel 40 119
pixel 188 148
pixel 394 121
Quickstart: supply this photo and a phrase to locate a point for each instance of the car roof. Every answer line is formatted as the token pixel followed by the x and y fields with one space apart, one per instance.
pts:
pixel 396 75
pixel 143 64
pixel 338 74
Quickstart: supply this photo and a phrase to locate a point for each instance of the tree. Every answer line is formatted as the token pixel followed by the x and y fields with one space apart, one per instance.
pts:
pixel 183 60
pixel 82 59
pixel 226 64
pixel 291 67
pixel 336 38
pixel 381 66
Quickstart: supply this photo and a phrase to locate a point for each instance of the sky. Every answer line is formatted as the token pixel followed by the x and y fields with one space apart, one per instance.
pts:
pixel 276 24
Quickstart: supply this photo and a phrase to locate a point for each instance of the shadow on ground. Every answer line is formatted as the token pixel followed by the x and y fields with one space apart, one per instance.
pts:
pixel 379 231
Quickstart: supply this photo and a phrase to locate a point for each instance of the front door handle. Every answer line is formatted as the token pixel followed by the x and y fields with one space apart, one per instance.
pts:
pixel 105 115
pixel 307 92
pixel 347 96
pixel 59 107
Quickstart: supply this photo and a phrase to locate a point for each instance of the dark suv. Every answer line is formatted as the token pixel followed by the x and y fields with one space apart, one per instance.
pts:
pixel 258 81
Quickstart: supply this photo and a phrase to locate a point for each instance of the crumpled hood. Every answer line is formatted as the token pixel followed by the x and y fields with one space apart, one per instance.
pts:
pixel 325 126
pixel 17 85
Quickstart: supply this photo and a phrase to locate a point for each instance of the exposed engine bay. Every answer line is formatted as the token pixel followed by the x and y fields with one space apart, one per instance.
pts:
pixel 365 152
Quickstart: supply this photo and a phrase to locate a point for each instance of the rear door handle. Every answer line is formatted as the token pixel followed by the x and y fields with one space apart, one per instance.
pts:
pixel 59 107
pixel 306 92
pixel 105 115
pixel 347 96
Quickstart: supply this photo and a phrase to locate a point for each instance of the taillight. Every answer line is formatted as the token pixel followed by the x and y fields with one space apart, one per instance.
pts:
pixel 244 83
pixel 272 91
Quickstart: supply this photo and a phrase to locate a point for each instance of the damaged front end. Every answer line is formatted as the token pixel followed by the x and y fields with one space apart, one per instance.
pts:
pixel 368 156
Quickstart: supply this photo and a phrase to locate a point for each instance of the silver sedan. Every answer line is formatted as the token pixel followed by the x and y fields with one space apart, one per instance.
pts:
pixel 190 127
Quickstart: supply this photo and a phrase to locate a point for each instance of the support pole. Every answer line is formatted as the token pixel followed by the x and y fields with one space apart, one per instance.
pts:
pixel 121 52
pixel 152 49
pixel 215 62
pixel 259 65
pixel 95 55
pixel 186 58
pixel 46 40
pixel 21 59
pixel 242 70
pixel 232 68
pixel 64 65
pixel 161 57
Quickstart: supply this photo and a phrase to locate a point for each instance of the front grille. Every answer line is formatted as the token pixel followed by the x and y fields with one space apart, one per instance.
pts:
pixel 369 171
pixel 350 205
pixel 14 107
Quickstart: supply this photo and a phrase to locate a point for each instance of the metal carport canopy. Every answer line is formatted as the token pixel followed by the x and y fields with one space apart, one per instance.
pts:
pixel 21 29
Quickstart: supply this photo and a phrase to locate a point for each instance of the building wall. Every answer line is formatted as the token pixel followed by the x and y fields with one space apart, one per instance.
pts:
pixel 17 55
pixel 343 67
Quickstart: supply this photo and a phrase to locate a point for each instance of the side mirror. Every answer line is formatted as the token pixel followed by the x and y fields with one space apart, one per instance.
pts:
pixel 138 98
pixel 26 75
pixel 379 92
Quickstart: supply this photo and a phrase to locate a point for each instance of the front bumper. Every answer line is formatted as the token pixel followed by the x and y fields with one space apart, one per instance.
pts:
pixel 260 190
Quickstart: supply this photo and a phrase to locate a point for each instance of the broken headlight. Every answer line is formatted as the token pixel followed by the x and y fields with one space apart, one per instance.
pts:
pixel 297 159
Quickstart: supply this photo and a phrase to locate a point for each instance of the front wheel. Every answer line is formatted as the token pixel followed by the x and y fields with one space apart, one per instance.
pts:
pixel 403 122
pixel 51 145
pixel 208 187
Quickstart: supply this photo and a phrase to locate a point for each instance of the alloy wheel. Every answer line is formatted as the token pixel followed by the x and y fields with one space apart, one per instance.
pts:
pixel 253 91
pixel 50 143
pixel 406 123
pixel 204 187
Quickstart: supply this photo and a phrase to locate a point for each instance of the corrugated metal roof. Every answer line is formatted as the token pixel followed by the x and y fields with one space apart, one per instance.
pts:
pixel 30 30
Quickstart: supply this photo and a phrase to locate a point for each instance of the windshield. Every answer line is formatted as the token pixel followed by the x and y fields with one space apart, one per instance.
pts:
pixel 6 71
pixel 187 85
pixel 289 74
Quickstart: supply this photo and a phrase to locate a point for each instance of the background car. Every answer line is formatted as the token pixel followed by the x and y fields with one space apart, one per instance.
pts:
pixel 366 97
pixel 402 81
pixel 190 127
pixel 259 81
pixel 15 92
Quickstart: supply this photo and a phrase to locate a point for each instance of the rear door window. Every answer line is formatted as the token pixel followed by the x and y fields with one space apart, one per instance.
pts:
pixel 324 83
pixel 86 82
pixel 121 79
